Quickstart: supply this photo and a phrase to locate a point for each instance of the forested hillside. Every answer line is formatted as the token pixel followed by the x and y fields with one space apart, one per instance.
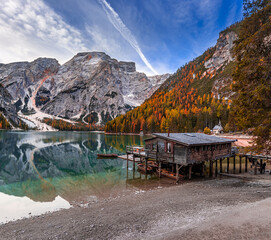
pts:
pixel 184 103
pixel 251 107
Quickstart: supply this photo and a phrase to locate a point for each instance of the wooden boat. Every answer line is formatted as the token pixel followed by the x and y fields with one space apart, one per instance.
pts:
pixel 141 167
pixel 169 174
pixel 100 155
pixel 153 164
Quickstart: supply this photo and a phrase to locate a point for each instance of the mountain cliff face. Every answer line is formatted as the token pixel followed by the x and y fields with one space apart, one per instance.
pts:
pixel 101 87
pixel 6 106
pixel 91 87
pixel 222 54
pixel 221 64
pixel 22 78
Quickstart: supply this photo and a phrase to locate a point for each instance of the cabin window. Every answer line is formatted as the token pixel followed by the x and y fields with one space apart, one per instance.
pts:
pixel 168 147
pixel 153 147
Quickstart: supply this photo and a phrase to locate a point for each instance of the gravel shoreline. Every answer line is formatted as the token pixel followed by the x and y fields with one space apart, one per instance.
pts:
pixel 211 209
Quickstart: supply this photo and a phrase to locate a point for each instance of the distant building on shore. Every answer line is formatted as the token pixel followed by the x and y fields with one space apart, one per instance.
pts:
pixel 218 129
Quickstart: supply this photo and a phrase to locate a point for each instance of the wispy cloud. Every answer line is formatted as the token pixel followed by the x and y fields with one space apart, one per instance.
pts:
pixel 29 29
pixel 124 31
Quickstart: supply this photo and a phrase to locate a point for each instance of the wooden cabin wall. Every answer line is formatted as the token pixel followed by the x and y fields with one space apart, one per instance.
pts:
pixel 206 153
pixel 162 154
pixel 180 154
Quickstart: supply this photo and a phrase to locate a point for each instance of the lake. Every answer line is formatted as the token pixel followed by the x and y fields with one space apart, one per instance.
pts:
pixel 48 171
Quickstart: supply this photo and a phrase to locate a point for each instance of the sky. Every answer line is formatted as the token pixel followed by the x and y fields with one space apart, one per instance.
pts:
pixel 160 36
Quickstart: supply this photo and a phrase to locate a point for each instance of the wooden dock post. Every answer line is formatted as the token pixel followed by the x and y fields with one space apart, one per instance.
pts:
pixel 210 168
pixel 127 173
pixel 220 165
pixel 146 165
pixel 255 166
pixel 261 166
pixel 203 169
pixel 177 173
pixel 240 164
pixel 216 170
pixel 133 162
pixel 127 161
pixel 234 166
pixel 159 169
pixel 190 172
pixel 228 165
pixel 246 164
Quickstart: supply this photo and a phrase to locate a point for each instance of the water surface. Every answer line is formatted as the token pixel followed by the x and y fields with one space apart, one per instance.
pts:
pixel 45 171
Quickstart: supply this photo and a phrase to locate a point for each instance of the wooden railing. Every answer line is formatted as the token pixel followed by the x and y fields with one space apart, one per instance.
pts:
pixel 136 150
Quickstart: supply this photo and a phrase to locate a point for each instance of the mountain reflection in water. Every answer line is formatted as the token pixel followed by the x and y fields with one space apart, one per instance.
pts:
pixel 43 165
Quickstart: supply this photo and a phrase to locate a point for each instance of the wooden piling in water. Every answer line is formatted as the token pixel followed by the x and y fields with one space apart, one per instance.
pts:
pixel 133 162
pixel 220 165
pixel 240 164
pixel 261 166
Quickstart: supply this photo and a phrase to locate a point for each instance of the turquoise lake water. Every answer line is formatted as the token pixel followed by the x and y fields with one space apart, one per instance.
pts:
pixel 46 171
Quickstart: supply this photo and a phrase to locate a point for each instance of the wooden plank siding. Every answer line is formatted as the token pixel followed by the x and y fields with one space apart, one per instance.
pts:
pixel 208 152
pixel 157 148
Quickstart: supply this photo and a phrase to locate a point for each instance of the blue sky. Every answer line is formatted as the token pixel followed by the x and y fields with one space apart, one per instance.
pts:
pixel 159 35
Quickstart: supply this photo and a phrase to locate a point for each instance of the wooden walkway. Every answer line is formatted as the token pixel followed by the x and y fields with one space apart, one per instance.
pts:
pixel 130 158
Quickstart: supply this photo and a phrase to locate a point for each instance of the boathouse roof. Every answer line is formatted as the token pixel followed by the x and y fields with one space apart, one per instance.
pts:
pixel 193 139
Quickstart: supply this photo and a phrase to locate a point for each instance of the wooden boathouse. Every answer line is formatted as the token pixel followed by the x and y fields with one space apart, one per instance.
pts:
pixel 183 150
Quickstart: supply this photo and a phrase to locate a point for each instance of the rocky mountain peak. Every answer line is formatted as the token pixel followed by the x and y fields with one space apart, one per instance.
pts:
pixel 97 57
